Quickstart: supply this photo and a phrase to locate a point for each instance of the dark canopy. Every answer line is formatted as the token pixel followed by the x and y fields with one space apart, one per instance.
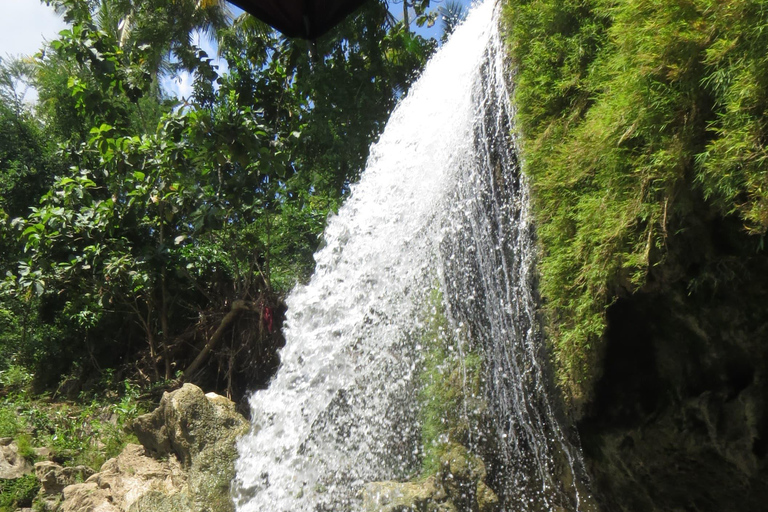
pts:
pixel 308 19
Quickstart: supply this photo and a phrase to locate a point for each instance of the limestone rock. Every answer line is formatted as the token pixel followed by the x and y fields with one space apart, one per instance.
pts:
pixel 43 453
pixel 124 480
pixel 187 421
pixel 155 501
pixel 487 501
pixel 426 496
pixel 54 478
pixel 87 497
pixel 194 434
pixel 462 475
pixel 12 465
pixel 151 432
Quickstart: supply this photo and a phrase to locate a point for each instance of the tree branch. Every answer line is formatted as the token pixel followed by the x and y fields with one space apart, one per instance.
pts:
pixel 237 307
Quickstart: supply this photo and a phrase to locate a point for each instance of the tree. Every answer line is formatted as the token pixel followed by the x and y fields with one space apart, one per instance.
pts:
pixel 170 235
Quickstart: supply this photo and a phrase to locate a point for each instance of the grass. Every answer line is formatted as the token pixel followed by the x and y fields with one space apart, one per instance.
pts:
pixel 87 431
pixel 18 493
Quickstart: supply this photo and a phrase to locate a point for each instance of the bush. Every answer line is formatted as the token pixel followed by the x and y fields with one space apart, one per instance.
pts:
pixel 18 493
pixel 88 431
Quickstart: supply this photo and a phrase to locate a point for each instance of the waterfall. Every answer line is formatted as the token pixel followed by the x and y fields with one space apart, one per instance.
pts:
pixel 442 203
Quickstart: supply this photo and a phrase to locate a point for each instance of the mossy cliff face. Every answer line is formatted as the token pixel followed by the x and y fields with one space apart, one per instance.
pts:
pixel 642 129
pixel 634 118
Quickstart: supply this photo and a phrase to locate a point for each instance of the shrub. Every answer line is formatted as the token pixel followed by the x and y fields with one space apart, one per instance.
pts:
pixel 18 493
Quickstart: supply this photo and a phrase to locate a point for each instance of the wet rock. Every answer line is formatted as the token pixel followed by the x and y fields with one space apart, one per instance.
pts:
pixel 459 485
pixel 406 496
pixel 680 420
pixel 462 475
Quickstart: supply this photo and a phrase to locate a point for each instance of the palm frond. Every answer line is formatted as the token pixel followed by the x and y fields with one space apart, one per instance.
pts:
pixel 451 14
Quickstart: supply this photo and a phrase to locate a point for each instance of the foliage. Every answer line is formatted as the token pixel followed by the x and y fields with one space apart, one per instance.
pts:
pixel 26 154
pixel 18 492
pixel 154 230
pixel 89 430
pixel 9 424
pixel 634 115
pixel 451 14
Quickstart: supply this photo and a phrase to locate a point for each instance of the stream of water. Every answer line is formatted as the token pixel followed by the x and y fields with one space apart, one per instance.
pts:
pixel 441 204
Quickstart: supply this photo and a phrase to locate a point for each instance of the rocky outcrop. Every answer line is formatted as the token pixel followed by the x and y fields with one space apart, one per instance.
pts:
pixel 12 465
pixel 201 430
pixel 186 462
pixel 123 481
pixel 458 486
pixel 54 478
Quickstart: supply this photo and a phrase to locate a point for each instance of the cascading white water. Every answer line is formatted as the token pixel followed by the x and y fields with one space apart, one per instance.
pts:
pixel 441 198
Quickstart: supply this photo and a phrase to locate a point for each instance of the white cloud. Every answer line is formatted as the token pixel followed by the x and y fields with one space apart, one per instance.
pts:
pixel 25 24
pixel 181 85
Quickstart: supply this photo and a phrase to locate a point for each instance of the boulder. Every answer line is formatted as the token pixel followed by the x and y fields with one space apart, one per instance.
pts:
pixel 462 475
pixel 12 465
pixel 124 480
pixel 406 497
pixel 187 421
pixel 186 463
pixel 54 478
pixel 86 496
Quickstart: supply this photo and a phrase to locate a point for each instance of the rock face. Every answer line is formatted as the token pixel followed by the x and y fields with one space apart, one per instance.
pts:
pixel 54 478
pixel 680 420
pixel 124 480
pixel 458 486
pixel 185 465
pixel 12 465
pixel 201 430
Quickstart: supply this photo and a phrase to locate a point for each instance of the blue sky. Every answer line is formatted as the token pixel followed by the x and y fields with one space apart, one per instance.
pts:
pixel 26 24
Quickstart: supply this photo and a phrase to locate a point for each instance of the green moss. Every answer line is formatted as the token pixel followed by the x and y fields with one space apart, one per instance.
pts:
pixel 450 392
pixel 634 116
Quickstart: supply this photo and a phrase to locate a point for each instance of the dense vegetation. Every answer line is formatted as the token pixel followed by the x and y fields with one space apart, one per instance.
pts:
pixel 640 120
pixel 151 238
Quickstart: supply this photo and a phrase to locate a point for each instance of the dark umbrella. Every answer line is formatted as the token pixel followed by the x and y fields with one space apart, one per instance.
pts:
pixel 308 19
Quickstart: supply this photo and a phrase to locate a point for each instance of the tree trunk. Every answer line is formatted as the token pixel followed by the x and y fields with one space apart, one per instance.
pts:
pixel 237 307
pixel 406 22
